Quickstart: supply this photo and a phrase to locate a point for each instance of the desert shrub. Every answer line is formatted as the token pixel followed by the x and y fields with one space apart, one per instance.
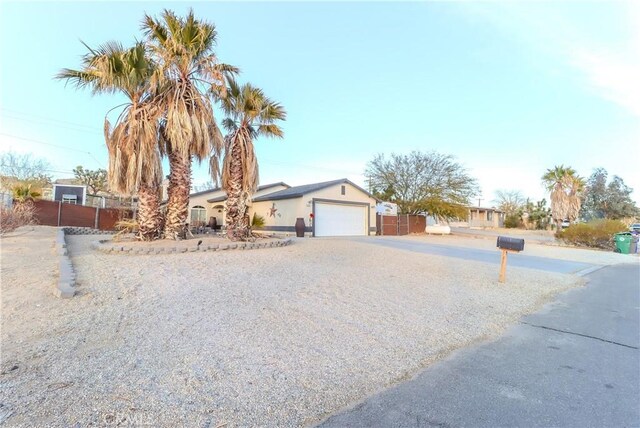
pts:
pixel 258 221
pixel 21 214
pixel 124 227
pixel 511 221
pixel 596 233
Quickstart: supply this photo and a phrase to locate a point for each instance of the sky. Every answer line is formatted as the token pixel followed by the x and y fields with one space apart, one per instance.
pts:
pixel 508 88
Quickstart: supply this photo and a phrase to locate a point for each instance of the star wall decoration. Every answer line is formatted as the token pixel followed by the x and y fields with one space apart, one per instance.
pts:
pixel 272 210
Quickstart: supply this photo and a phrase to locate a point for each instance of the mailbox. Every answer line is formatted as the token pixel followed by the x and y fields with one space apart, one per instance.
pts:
pixel 511 244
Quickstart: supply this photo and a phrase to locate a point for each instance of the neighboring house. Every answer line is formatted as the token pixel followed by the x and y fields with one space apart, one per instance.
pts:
pixel 485 217
pixel 69 193
pixel 331 208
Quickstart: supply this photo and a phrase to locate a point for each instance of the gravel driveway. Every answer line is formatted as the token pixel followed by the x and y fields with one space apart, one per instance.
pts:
pixel 273 337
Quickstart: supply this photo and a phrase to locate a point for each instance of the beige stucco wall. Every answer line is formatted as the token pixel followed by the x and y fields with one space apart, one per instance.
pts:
pixel 201 200
pixel 478 218
pixel 213 209
pixel 288 210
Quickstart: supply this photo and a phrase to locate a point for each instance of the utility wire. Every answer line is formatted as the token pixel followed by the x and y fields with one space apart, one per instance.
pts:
pixel 78 125
pixel 308 166
pixel 53 145
pixel 43 169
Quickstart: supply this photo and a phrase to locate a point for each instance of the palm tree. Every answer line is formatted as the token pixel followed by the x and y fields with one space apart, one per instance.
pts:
pixel 189 73
pixel 250 114
pixel 133 143
pixel 564 186
pixel 24 192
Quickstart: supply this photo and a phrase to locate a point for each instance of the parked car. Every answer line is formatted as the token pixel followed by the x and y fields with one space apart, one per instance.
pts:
pixel 565 223
pixel 635 227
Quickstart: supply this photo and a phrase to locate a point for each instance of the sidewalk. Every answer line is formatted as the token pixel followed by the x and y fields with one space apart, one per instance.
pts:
pixel 573 364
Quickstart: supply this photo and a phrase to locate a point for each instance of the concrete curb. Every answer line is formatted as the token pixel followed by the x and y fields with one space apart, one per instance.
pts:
pixel 65 287
pixel 109 247
pixel 589 270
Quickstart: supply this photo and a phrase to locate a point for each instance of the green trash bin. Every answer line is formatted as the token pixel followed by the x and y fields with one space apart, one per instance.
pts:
pixel 623 242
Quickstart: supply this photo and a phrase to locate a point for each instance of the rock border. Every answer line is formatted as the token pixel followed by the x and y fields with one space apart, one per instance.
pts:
pixel 65 287
pixel 128 249
pixel 86 231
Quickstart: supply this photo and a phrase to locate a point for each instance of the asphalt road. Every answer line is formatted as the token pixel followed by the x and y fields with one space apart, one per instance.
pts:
pixel 489 233
pixel 486 256
pixel 576 363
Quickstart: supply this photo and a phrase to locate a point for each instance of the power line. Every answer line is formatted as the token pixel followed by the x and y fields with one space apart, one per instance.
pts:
pixel 309 166
pixel 53 145
pixel 43 169
pixel 78 125
pixel 53 124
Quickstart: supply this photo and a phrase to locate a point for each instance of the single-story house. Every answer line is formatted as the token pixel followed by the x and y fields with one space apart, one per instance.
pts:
pixel 207 207
pixel 485 217
pixel 70 193
pixel 331 208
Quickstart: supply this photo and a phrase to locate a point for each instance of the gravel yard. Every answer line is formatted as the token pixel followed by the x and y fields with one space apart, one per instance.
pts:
pixel 272 337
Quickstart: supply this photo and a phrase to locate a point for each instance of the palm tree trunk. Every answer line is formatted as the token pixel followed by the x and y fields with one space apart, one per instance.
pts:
pixel 175 226
pixel 149 216
pixel 237 225
pixel 558 225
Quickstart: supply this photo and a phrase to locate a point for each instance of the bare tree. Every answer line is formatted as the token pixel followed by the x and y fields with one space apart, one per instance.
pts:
pixel 509 201
pixel 23 169
pixel 419 182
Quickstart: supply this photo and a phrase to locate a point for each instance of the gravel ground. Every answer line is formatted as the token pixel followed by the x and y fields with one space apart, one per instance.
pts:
pixel 273 337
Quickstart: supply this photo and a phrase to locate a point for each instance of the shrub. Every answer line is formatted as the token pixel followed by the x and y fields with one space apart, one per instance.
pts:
pixel 511 221
pixel 125 226
pixel 21 214
pixel 596 233
pixel 258 221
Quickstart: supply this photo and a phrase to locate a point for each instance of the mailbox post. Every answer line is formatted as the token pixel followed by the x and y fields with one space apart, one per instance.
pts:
pixel 506 244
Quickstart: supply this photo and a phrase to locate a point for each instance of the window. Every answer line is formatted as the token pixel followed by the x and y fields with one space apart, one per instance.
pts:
pixel 489 215
pixel 343 190
pixel 69 199
pixel 198 216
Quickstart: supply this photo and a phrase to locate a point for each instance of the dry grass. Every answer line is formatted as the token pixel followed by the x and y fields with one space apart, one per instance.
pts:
pixel 21 214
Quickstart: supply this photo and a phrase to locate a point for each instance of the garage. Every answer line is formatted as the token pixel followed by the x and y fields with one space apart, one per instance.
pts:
pixel 340 219
pixel 330 208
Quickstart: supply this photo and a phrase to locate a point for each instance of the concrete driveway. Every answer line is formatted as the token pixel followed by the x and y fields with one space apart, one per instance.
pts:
pixel 487 256
pixel 574 364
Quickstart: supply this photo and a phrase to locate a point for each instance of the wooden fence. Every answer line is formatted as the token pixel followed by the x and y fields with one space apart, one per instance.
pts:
pixel 398 225
pixel 54 213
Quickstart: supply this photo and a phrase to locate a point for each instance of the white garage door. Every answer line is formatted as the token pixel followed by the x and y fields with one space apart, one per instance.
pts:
pixel 340 219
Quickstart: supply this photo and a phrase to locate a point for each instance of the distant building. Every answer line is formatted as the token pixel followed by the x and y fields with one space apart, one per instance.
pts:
pixel 69 193
pixel 485 217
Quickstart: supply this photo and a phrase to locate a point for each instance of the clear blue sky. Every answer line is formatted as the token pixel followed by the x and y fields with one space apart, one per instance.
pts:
pixel 509 89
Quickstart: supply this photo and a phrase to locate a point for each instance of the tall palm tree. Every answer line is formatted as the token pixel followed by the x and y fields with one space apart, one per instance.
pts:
pixel 250 114
pixel 133 144
pixel 564 186
pixel 189 72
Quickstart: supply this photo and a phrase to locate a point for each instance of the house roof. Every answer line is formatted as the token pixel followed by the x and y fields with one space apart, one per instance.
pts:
pixel 224 197
pixel 67 181
pixel 68 185
pixel 299 191
pixel 485 209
